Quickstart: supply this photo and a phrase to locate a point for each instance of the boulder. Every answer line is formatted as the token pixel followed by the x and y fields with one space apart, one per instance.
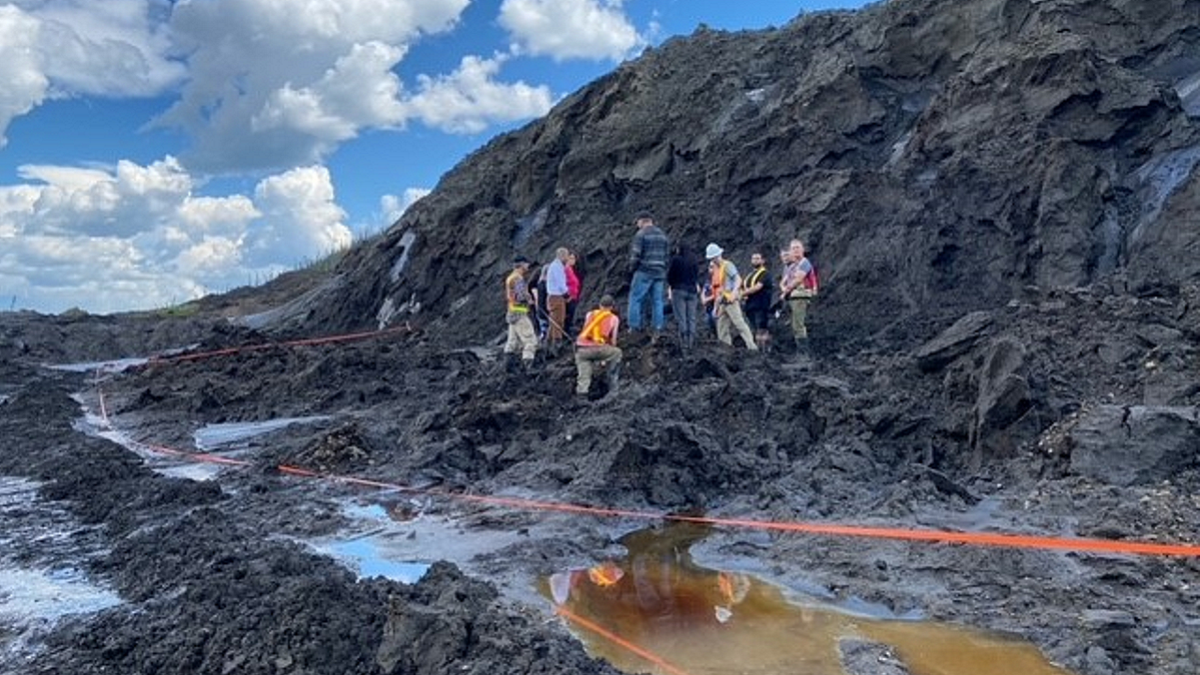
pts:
pixel 953 342
pixel 1135 444
pixel 1003 398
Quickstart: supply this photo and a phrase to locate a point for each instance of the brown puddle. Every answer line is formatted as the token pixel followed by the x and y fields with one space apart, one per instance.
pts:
pixel 704 622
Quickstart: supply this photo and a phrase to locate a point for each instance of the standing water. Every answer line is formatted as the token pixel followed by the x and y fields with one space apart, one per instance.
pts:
pixel 694 620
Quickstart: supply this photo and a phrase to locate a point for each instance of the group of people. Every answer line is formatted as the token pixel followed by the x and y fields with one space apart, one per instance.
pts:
pixel 732 303
pixel 541 311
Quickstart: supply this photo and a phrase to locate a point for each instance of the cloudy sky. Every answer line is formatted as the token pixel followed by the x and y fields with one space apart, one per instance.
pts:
pixel 152 151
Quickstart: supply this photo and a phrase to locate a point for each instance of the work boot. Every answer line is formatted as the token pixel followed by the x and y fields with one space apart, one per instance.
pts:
pixel 614 379
pixel 512 363
pixel 527 366
pixel 801 346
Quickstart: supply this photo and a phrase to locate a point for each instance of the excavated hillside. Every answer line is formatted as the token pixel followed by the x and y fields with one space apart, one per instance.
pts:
pixel 938 156
pixel 1001 196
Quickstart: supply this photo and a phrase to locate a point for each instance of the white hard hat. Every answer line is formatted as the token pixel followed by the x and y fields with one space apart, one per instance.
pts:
pixel 712 250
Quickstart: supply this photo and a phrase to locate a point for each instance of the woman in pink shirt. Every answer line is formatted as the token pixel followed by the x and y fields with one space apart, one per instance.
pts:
pixel 574 286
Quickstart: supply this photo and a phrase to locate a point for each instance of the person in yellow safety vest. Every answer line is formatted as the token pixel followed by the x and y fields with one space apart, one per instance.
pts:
pixel 597 344
pixel 725 292
pixel 519 301
pixel 757 295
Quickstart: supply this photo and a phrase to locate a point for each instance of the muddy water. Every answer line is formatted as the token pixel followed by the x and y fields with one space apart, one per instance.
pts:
pixel 706 622
pixel 35 595
pixel 216 436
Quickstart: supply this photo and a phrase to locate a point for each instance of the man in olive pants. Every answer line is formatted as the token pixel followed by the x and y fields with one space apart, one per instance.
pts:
pixel 597 344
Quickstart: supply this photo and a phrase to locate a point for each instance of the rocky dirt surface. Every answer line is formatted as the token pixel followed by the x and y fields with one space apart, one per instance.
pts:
pixel 1000 195
pixel 1038 418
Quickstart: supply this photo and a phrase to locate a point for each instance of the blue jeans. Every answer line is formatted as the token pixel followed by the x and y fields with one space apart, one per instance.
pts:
pixel 684 302
pixel 645 287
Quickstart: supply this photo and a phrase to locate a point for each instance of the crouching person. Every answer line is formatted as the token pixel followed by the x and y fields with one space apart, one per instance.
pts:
pixel 597 344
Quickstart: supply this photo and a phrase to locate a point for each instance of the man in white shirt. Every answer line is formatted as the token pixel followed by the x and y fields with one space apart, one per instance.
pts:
pixel 556 300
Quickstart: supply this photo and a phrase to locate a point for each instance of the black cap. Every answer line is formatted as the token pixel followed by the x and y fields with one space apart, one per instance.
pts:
pixel 643 215
pixel 520 260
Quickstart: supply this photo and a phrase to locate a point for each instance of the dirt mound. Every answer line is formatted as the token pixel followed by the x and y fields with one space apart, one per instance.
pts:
pixel 938 157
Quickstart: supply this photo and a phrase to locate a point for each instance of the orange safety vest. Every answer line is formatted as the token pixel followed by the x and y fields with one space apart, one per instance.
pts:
pixel 593 330
pixel 718 282
pixel 510 293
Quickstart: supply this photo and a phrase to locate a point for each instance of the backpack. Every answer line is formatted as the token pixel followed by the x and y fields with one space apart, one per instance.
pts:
pixel 810 280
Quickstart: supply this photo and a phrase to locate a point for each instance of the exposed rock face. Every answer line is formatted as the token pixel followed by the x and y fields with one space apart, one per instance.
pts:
pixel 939 156
pixel 1138 444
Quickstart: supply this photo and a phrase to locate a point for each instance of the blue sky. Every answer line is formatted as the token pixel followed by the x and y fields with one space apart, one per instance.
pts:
pixel 153 151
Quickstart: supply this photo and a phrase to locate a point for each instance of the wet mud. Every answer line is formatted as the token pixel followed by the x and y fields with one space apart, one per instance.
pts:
pixel 460 471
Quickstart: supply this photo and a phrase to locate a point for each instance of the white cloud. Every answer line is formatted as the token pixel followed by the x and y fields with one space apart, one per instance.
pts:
pixel 25 84
pixel 279 83
pixel 392 207
pixel 469 99
pixel 264 85
pixel 109 48
pixel 300 218
pixel 121 203
pixel 136 237
pixel 570 29
pixel 360 90
pixel 82 47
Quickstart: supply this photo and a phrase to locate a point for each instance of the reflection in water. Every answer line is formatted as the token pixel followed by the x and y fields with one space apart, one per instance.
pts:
pixel 707 622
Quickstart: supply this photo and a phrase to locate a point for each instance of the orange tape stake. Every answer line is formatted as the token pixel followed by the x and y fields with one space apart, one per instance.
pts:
pixel 621 642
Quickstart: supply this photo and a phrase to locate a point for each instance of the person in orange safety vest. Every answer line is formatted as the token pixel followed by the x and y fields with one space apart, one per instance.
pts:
pixel 725 293
pixel 597 344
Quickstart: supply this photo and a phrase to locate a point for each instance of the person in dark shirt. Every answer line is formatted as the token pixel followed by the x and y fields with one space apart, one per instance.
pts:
pixel 683 290
pixel 541 311
pixel 757 296
pixel 648 255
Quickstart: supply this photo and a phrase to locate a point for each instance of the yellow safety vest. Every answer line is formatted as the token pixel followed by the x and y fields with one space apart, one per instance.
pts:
pixel 751 280
pixel 510 293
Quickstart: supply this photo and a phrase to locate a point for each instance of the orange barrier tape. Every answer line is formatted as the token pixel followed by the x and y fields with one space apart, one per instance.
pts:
pixel 305 342
pixel 650 656
pixel 827 529
pixel 949 537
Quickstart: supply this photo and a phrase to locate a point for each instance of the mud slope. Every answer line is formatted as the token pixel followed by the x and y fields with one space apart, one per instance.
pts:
pixel 939 156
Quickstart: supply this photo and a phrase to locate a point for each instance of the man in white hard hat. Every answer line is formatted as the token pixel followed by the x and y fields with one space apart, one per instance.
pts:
pixel 724 291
